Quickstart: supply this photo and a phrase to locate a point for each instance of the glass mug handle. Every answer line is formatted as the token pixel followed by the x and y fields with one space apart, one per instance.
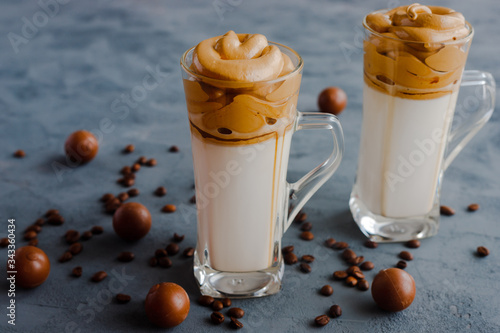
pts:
pixel 305 187
pixel 484 98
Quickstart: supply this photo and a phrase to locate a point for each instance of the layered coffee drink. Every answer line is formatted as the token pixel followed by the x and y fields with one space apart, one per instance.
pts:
pixel 414 57
pixel 241 100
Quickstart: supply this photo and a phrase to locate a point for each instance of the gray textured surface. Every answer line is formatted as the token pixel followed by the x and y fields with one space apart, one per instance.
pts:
pixel 67 76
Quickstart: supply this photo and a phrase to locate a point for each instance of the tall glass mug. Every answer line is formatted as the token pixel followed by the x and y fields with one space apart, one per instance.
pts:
pixel 240 136
pixel 409 97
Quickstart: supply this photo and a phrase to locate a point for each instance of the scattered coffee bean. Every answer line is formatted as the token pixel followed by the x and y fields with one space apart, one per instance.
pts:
pixel 448 211
pixel 173 149
pixel 33 227
pixel 77 271
pixel 322 320
pixel 120 180
pixel 75 248
pixel 236 313
pixel 363 285
pixel 188 252
pixel 226 302
pixel 330 242
pixel 367 266
pixel 153 261
pixel 133 192
pixel 290 258
pixel 405 255
pixel 473 207
pixel 178 238
pixel 172 249
pixel 87 235
pixel 122 298
pixel 193 199
pixel 307 226
pixel 106 197
pixel 335 311
pixel 351 281
pixel 65 257
pixel 69 233
pixel 165 262
pixel 30 235
pixel 4 242
pixel 151 162
pixel 482 251
pixel 128 149
pixel 161 253
pixel 19 153
pixel 40 222
pixel 72 236
pixel 340 245
pixel 401 264
pixel 99 276
pixel 97 230
pixel 287 249
pixel 358 275
pixel 126 256
pixel 305 268
pixel 235 323
pixel 55 219
pixel 126 170
pixel 307 258
pixel 348 254
pixel 122 196
pixel 307 235
pixel 371 244
pixel 217 318
pixel 413 244
pixel 127 182
pixel 326 290
pixel 205 300
pixel 33 242
pixel 51 212
pixel 169 208
pixel 136 167
pixel 160 191
pixel 355 261
pixel 112 205
pixel 353 269
pixel 301 217
pixel 217 306
pixel 340 275
pixel 142 160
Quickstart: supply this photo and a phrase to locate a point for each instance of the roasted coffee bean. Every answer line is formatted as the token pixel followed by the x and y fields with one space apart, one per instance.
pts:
pixel 401 264
pixel 358 275
pixel 33 242
pixel 165 262
pixel 126 170
pixel 127 182
pixel 129 175
pixel 178 238
pixel 112 205
pixel 40 222
pixel 353 269
pixel 287 249
pixel 160 191
pixel 326 290
pixel 217 306
pixel 65 257
pixel 172 249
pixel 226 302
pixel 188 252
pixel 371 244
pixel 217 318
pixel 405 255
pixel 307 226
pixel 161 253
pixel 193 199
pixel 205 300
pixel 106 197
pixel 307 258
pixel 97 230
pixel 335 311
pixel 173 149
pixel 305 268
pixel 301 217
pixel 120 180
pixel 330 242
pixel 169 208
pixel 235 323
pixel 151 162
pixel 69 233
pixel 142 160
pixel 126 256
pixel 122 298
pixel 77 271
pixel 153 261
pixel 356 260
pixel 136 167
pixel 128 149
pixel 340 275
pixel 133 192
pixel 51 212
pixel 322 320
pixel 122 196
pixel 290 258
pixel 363 285
pixel 367 266
pixel 99 276
pixel 19 153
pixel 72 236
pixel 351 281
pixel 4 242
pixel 236 313
pixel 413 244
pixel 482 251
pixel 448 211
pixel 307 235
pixel 33 227
pixel 87 235
pixel 340 246
pixel 473 207
pixel 55 219
pixel 75 248
pixel 348 254
pixel 30 235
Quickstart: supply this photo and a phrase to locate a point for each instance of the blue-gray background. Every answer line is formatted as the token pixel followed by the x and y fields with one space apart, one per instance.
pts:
pixel 70 69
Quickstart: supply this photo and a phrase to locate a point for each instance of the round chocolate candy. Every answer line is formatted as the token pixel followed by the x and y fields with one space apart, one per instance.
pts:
pixel 167 304
pixel 32 266
pixel 81 147
pixel 393 289
pixel 332 100
pixel 132 221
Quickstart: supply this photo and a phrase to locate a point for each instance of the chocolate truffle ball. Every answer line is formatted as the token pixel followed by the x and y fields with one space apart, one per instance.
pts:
pixel 81 147
pixel 332 100
pixel 32 266
pixel 132 221
pixel 393 289
pixel 167 304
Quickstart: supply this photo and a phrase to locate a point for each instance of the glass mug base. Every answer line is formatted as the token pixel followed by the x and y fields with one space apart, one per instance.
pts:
pixel 238 284
pixel 387 229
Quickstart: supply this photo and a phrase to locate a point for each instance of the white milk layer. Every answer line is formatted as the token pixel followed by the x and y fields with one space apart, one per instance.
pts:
pixel 240 195
pixel 401 152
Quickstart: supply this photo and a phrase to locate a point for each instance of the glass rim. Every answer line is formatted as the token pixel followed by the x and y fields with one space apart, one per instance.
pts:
pixel 464 39
pixel 296 70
